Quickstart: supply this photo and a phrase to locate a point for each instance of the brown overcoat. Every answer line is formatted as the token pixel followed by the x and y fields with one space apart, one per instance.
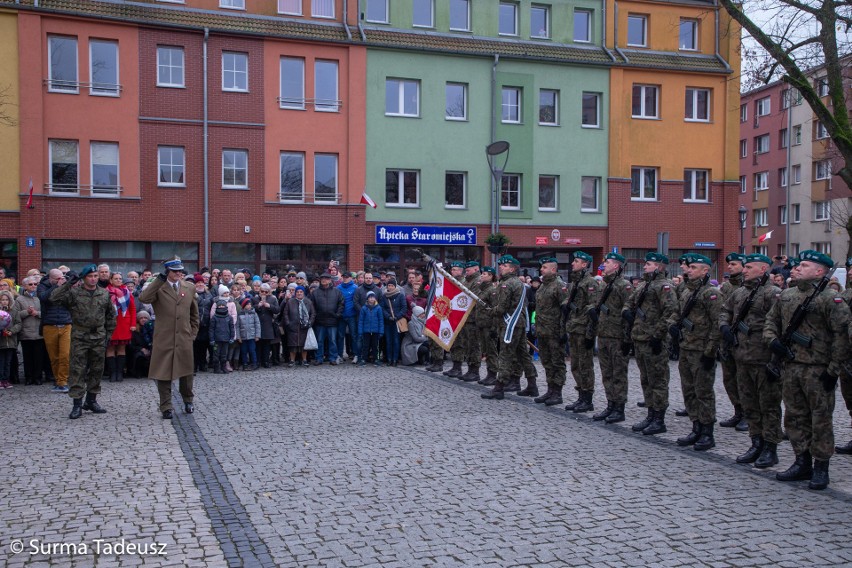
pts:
pixel 174 329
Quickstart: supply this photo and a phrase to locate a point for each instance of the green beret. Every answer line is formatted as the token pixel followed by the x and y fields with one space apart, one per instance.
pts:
pixel 736 257
pixel 471 264
pixel 88 269
pixel 508 259
pixel 615 256
pixel 818 257
pixel 457 264
pixel 696 258
pixel 656 257
pixel 489 270
pixel 793 262
pixel 547 259
pixel 583 256
pixel 684 258
pixel 758 258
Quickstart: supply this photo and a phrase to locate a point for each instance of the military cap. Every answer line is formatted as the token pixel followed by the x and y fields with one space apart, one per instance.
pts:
pixel 457 264
pixel 736 257
pixel 508 259
pixel 490 270
pixel 88 269
pixel 656 257
pixel 583 256
pixel 696 258
pixel 793 262
pixel 818 257
pixel 615 256
pixel 471 264
pixel 685 258
pixel 174 264
pixel 547 259
pixel 758 258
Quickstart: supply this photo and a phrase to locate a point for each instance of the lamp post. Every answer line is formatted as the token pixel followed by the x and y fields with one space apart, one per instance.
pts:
pixel 492 153
pixel 743 213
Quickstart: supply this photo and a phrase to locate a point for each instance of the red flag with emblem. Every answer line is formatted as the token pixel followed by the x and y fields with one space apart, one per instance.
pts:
pixel 448 309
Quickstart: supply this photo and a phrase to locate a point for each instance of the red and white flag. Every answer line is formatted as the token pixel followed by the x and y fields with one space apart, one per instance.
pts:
pixel 30 198
pixel 448 309
pixel 365 200
pixel 765 237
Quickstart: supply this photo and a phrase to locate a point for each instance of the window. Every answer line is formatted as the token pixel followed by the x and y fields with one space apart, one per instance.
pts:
pixel 761 181
pixel 548 107
pixel 590 194
pixel 510 192
pixel 64 173
pixel 325 86
pixel 511 105
pixel 743 113
pixel 424 14
pixel 762 106
pixel 797 134
pixel 782 214
pixel 582 26
pixel 402 188
pixel 688 35
pixel 290 7
pixel 539 22
pixel 105 168
pixel 402 97
pixel 795 249
pixel 643 184
pixel 292 176
pixel 508 24
pixel 785 99
pixel 103 58
pixel 233 4
pixel 743 184
pixel 171 165
pixel 782 177
pixel 169 66
pixel 292 83
pixel 823 247
pixel 821 131
pixel 760 218
pixel 822 169
pixel 796 171
pixel 645 101
pixel 761 249
pixel 454 190
pixel 822 86
pixel 796 217
pixel 234 71
pixel 696 185
pixel 235 169
pixel 460 15
pixel 322 8
pixel 637 30
pixel 548 192
pixel 697 105
pixel 325 178
pixel 591 110
pixel 377 11
pixel 743 148
pixel 783 134
pixel 456 101
pixel 62 63
pixel 761 144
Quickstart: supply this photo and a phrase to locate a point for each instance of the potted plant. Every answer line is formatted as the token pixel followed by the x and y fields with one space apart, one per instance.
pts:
pixel 497 242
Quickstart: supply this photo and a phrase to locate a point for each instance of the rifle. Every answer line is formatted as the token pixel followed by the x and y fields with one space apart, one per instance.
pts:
pixel 684 321
pixel 791 335
pixel 637 311
pixel 739 324
pixel 600 306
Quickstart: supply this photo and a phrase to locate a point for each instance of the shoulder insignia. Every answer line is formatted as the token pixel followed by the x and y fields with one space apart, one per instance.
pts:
pixel 838 300
pixel 713 296
pixel 565 288
pixel 628 287
pixel 591 288
pixel 666 287
pixel 778 295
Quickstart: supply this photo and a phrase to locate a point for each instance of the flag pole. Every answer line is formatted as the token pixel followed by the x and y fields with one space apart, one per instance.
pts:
pixel 434 263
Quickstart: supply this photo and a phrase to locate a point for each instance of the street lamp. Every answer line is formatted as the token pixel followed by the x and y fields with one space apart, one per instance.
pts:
pixel 492 153
pixel 743 213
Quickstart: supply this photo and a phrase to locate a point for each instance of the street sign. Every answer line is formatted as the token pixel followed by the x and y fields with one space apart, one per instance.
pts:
pixel 571 241
pixel 422 235
pixel 705 245
pixel 615 249
pixel 30 242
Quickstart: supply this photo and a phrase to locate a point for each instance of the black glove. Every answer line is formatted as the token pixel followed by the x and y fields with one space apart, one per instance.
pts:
pixel 728 335
pixel 626 346
pixel 71 277
pixel 656 346
pixel 594 316
pixel 589 343
pixel 628 316
pixel 707 362
pixel 828 381
pixel 778 348
pixel 674 331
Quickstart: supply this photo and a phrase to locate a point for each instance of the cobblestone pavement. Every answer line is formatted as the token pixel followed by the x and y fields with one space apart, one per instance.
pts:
pixel 338 466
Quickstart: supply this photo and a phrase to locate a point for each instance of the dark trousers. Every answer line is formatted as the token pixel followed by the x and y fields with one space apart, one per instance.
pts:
pixel 369 346
pixel 264 351
pixel 199 353
pixel 34 353
pixel 6 364
pixel 164 389
pixel 221 354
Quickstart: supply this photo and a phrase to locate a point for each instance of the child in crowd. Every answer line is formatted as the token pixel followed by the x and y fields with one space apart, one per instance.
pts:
pixel 8 338
pixel 248 334
pixel 221 334
pixel 371 327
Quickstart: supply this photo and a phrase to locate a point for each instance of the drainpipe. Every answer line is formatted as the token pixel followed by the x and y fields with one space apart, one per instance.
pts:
pixel 360 27
pixel 603 31
pixel 346 19
pixel 718 55
pixel 206 159
pixel 495 203
pixel 615 33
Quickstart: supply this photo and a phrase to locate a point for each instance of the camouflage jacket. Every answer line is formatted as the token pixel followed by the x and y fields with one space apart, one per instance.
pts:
pixel 509 290
pixel 826 323
pixel 472 284
pixel 92 312
pixel 660 308
pixel 703 319
pixel 584 300
pixel 488 293
pixel 751 348
pixel 548 309
pixel 610 323
pixel 735 282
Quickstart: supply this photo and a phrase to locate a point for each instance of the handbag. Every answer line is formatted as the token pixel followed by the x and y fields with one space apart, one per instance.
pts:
pixel 311 341
pixel 401 323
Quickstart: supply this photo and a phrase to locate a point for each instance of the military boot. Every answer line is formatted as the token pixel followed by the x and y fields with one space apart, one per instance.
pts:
pixel 819 480
pixel 845 449
pixel 585 403
pixel 603 414
pixel 742 425
pixel 456 370
pixel 545 396
pixel 77 409
pixel 92 405
pixel 555 396
pixel 435 366
pixel 639 426
pixel 692 437
pixel 490 379
pixel 657 425
pixel 514 384
pixel 496 393
pixel 754 452
pixel 617 414
pixel 733 420
pixel 472 374
pixel 801 469
pixel 768 457
pixel 109 367
pixel 571 405
pixel 531 390
pixel 706 441
pixel 119 368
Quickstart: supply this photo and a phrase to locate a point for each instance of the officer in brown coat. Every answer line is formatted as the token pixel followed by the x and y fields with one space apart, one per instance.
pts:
pixel 173 300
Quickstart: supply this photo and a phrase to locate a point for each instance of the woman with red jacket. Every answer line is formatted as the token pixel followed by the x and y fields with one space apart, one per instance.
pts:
pixel 125 318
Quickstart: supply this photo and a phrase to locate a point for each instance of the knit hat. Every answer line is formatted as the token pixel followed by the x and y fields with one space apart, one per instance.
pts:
pixel 373 294
pixel 416 311
pixel 297 288
pixel 222 290
pixel 197 277
pixel 391 281
pixel 221 303
pixel 245 302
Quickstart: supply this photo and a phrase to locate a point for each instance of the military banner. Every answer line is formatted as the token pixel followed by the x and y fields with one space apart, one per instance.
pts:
pixel 448 308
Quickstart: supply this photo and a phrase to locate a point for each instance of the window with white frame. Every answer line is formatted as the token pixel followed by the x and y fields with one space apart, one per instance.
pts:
pixel 823 247
pixel 539 21
pixel 637 30
pixel 292 165
pixel 822 169
pixel 234 71
pixel 762 106
pixel 761 249
pixel 292 83
pixel 743 113
pixel 743 184
pixel 783 134
pixel 785 99
pixel 743 148
pixel 696 186
pixel 645 99
pixel 325 178
pixel 325 86
pixel 508 19
pixel 402 97
pixel 290 7
pixel 64 170
pixel 761 219
pixel 548 193
pixel 797 134
pixel 456 101
pixel 402 188
pixel 590 194
pixel 171 166
pixel 455 186
pixel 322 8
pixel 761 144
pixel 104 157
pixel 103 70
pixel 795 249
pixel 591 112
pixel 460 15
pixel 548 107
pixel 377 11
pixel 796 215
pixel 761 181
pixel 782 214
pixel 796 172
pixel 62 64
pixel 423 15
pixel 235 169
pixel 697 105
pixel 782 177
pixel 170 72
pixel 821 85
pixel 511 105
pixel 582 26
pixel 688 34
pixel 510 192
pixel 233 4
pixel 821 130
pixel 643 184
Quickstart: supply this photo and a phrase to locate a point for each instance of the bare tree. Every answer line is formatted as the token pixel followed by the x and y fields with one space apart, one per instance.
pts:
pixel 6 117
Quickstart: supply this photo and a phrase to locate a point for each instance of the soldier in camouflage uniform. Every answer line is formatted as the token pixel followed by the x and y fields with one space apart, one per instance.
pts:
pixel 650 322
pixel 610 333
pixel 459 347
pixel 582 297
pixel 470 332
pixel 93 321
pixel 809 380
pixel 487 325
pixel 846 376
pixel 735 261
pixel 698 333
pixel 761 398
pixel 549 329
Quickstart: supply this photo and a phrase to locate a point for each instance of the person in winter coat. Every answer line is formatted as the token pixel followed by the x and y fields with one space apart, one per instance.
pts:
pixel 32 344
pixel 200 346
pixel 231 305
pixel 360 297
pixel 139 350
pixel 8 337
pixel 328 302
pixel 266 306
pixel 394 307
pixel 298 317
pixel 221 335
pixel 414 347
pixel 347 326
pixel 125 324
pixel 248 334
pixel 371 326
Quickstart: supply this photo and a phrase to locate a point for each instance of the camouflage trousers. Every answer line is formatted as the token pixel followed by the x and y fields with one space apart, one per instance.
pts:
pixel 164 389
pixel 846 390
pixel 86 365
pixel 761 402
pixel 466 348
pixel 653 375
pixel 808 410
pixel 514 356
pixel 729 379
pixel 582 363
pixel 697 386
pixel 613 365
pixel 436 352
pixel 551 352
pixel 488 346
pixel 524 366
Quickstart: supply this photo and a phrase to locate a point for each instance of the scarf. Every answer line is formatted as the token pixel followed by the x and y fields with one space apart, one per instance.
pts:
pixel 304 317
pixel 120 297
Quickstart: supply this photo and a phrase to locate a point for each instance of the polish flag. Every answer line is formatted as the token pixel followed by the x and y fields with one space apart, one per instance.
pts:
pixel 365 200
pixel 30 198
pixel 765 237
